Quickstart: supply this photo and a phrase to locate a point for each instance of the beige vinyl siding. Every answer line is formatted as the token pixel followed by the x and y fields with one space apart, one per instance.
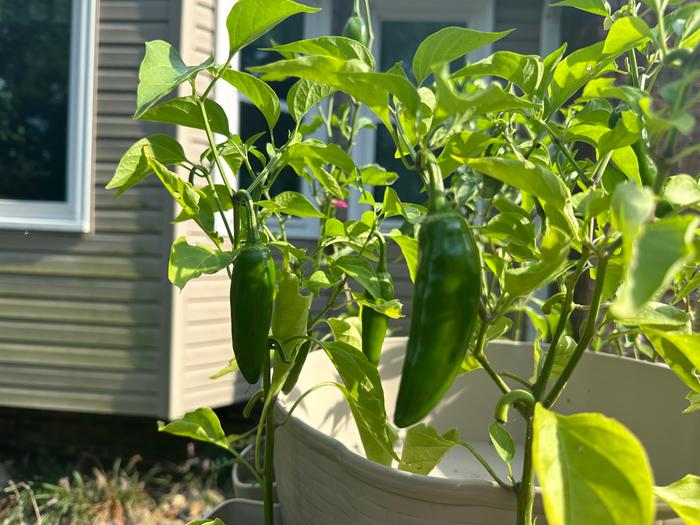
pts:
pixel 83 317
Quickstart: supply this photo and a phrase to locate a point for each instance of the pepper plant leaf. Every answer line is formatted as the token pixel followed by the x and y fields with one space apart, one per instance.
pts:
pixel 347 330
pixel 291 203
pixel 161 71
pixel 361 270
pixel 683 496
pixel 331 46
pixel 694 400
pixel 680 352
pixel 185 111
pixel 183 192
pixel 592 470
pixel 251 19
pixel 502 441
pixel 409 250
pixel 448 44
pixel 202 424
pixel 424 447
pixel 654 314
pixel 258 92
pixel 304 95
pixel 661 250
pixel 134 167
pixel 362 388
pixel 596 7
pixel 525 71
pixel 189 261
pixel 632 207
pixel 217 521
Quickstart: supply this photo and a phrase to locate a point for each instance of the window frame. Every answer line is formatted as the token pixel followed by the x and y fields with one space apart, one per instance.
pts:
pixel 476 14
pixel 74 214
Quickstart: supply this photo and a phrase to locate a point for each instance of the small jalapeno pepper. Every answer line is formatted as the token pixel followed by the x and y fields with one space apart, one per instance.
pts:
pixel 375 324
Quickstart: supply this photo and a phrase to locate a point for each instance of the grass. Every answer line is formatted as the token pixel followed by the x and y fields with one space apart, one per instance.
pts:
pixel 124 494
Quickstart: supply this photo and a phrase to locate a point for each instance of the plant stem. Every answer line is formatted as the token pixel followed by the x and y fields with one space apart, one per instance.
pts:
pixel 525 490
pixel 481 358
pixel 485 464
pixel 586 337
pixel 268 497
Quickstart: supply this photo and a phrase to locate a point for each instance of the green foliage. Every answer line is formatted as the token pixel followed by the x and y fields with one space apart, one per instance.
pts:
pixel 591 470
pixel 683 496
pixel 188 261
pixel 201 424
pixel 424 447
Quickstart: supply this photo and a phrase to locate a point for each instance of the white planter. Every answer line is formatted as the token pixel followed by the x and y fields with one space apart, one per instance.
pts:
pixel 244 484
pixel 323 476
pixel 242 512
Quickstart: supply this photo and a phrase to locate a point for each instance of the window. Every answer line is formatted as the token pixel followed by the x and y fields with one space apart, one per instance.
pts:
pixel 400 26
pixel 46 113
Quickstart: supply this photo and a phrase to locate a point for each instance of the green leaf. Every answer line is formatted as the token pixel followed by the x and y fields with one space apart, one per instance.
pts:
pixel 447 45
pixel 585 64
pixel 680 352
pixel 250 19
pixel 525 71
pixel 188 262
pixel 217 521
pixel 258 92
pixel 185 111
pixel 461 147
pixel 361 270
pixel 502 441
pixel 681 190
pixel 331 46
pixel 533 179
pixel 658 315
pixel 162 69
pixel 554 251
pixel 230 368
pixel 304 95
pixel 376 175
pixel 201 424
pixel 133 166
pixel 596 7
pixel 424 447
pixel 318 281
pixel 683 496
pixel 391 309
pixel 627 131
pixel 661 250
pixel 347 330
pixel 409 250
pixel 632 207
pixel 391 204
pixel 362 388
pixel 313 150
pixel 694 400
pixel 353 77
pixel 626 161
pixel 291 203
pixel 591 470
pixel 492 99
pixel 183 192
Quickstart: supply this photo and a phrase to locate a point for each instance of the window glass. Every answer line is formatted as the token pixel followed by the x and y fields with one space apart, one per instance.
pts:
pixel 34 73
pixel 399 41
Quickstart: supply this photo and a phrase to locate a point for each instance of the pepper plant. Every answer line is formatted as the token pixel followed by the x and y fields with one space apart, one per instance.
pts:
pixel 542 175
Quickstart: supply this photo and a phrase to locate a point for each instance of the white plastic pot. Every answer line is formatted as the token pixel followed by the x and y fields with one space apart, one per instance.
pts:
pixel 245 485
pixel 242 512
pixel 323 476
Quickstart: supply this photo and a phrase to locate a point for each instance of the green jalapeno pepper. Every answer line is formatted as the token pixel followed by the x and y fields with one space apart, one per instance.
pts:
pixel 356 28
pixel 251 296
pixel 445 306
pixel 374 324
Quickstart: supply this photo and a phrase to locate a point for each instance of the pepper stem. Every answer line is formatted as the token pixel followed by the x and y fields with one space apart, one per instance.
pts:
pixel 244 197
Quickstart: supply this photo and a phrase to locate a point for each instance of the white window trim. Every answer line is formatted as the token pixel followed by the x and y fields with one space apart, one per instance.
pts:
pixel 315 24
pixel 73 215
pixel 475 14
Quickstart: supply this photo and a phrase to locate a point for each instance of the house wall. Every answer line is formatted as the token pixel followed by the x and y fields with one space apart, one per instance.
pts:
pixel 84 318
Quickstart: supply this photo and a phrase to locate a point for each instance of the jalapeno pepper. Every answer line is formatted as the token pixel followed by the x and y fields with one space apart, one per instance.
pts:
pixel 445 305
pixel 251 296
pixel 356 27
pixel 374 324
